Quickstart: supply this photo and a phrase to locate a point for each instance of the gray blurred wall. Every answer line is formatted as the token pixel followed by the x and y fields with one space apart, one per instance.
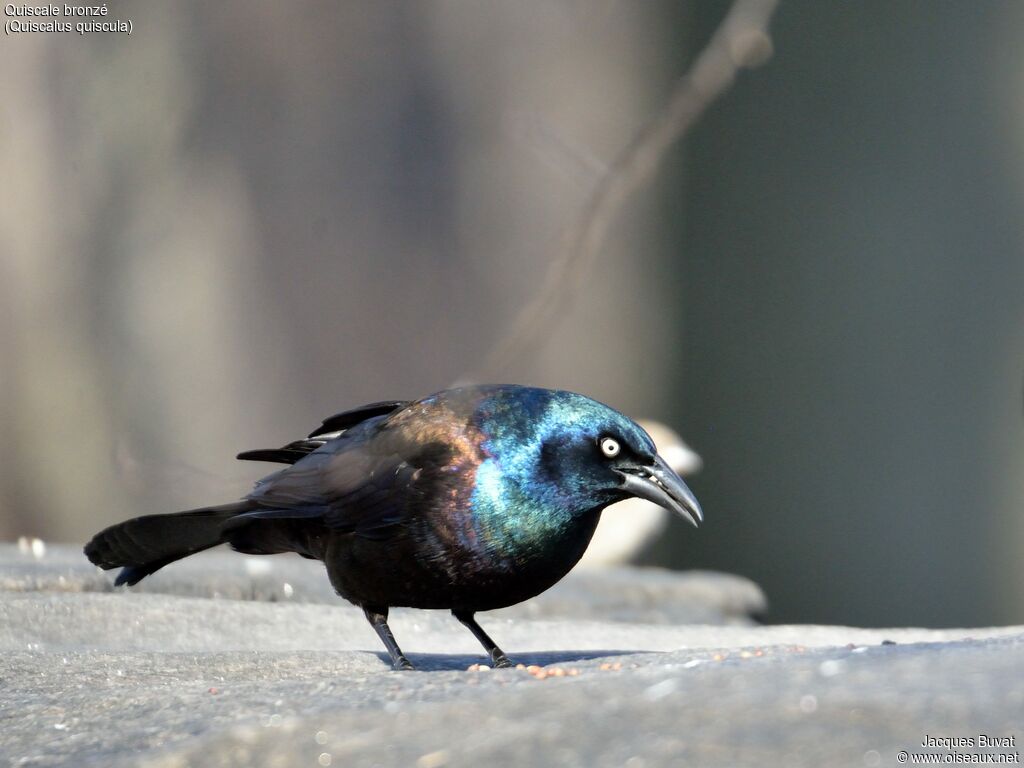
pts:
pixel 852 316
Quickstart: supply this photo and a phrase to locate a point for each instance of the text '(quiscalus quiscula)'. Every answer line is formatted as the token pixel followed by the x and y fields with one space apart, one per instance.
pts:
pixel 468 500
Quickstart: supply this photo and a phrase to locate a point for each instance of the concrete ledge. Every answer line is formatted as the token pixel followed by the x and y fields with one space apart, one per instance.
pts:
pixel 172 677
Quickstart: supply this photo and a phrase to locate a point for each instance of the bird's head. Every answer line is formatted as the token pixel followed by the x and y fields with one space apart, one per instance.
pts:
pixel 579 450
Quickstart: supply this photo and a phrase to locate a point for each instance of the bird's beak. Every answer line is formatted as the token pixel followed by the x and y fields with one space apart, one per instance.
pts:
pixel 656 482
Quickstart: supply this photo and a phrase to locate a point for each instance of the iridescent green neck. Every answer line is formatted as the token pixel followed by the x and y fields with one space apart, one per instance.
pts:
pixel 520 507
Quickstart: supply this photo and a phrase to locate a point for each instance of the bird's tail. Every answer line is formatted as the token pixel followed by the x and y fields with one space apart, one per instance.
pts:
pixel 144 545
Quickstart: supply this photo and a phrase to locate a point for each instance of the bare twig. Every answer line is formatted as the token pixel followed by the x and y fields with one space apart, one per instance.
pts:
pixel 740 41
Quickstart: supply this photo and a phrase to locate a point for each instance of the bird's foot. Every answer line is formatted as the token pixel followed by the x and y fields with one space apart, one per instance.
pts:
pixel 402 664
pixel 500 661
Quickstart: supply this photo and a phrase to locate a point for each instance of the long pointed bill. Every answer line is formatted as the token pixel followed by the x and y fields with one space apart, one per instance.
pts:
pixel 657 483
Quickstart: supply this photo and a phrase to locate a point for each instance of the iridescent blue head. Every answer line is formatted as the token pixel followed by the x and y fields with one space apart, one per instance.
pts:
pixel 554 455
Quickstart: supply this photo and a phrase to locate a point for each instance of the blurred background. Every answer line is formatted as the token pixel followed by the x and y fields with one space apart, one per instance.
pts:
pixel 249 215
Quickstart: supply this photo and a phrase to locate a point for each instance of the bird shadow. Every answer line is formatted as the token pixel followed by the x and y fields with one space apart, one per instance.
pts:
pixel 448 662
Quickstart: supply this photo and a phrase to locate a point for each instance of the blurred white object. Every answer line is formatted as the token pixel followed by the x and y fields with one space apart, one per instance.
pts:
pixel 35 547
pixel 627 527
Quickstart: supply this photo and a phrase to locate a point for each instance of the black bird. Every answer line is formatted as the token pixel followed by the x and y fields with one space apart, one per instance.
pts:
pixel 467 500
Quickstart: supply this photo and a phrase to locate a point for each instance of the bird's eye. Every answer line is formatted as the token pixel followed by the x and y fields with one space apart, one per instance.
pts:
pixel 609 447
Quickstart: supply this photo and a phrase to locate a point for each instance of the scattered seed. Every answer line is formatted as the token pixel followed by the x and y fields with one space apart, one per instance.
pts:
pixel 433 759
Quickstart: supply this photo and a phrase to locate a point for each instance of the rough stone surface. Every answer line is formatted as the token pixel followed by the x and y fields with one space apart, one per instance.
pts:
pixel 168 677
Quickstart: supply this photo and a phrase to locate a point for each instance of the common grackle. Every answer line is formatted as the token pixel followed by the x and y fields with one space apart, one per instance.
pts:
pixel 467 500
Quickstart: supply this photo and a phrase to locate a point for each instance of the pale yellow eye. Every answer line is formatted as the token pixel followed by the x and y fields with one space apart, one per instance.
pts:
pixel 609 447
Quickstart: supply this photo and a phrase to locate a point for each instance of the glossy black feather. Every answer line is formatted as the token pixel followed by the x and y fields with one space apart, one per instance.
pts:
pixel 299 449
pixel 144 545
pixel 348 419
pixel 365 487
pixel 284 455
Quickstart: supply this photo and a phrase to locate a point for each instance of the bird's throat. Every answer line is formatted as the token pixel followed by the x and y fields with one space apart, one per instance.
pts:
pixel 524 521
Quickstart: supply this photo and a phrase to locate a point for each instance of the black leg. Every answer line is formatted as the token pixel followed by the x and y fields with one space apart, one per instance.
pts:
pixel 378 618
pixel 498 657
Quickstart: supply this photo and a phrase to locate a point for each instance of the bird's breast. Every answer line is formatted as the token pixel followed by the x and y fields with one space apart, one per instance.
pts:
pixel 480 539
pixel 504 561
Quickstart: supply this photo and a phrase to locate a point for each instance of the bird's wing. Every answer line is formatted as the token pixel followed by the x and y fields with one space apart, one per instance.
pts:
pixel 331 428
pixel 366 481
pixel 288 454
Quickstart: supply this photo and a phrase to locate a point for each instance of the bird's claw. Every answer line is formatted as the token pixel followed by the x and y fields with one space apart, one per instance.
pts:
pixel 501 661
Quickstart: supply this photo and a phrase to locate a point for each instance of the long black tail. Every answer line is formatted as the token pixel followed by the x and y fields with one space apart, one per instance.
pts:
pixel 144 545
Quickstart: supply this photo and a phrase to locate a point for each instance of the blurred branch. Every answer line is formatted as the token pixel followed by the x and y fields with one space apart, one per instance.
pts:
pixel 740 41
